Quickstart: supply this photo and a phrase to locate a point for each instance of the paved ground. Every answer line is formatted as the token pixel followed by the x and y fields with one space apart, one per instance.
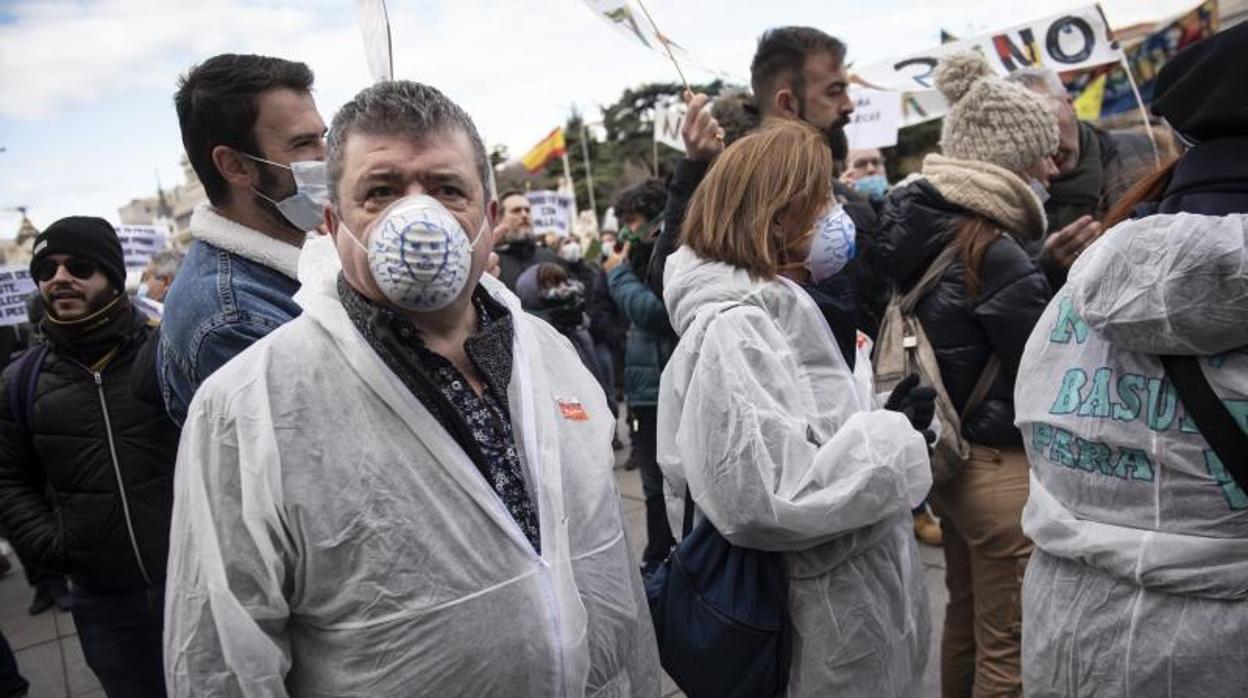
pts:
pixel 51 660
pixel 46 645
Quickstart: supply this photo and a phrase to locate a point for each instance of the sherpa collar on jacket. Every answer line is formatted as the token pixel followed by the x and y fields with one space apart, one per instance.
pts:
pixel 217 230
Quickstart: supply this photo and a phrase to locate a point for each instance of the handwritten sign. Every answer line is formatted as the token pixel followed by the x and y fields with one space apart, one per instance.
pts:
pixel 552 212
pixel 877 116
pixel 140 242
pixel 15 287
pixel 668 119
pixel 1067 41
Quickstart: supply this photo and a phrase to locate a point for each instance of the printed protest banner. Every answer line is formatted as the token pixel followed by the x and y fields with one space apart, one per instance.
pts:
pixel 877 116
pixel 1067 41
pixel 553 212
pixel 668 119
pixel 15 287
pixel 140 242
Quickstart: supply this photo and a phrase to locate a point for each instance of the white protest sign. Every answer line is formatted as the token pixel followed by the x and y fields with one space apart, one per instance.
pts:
pixel 15 286
pixel 552 212
pixel 1067 41
pixel 668 118
pixel 140 242
pixel 877 116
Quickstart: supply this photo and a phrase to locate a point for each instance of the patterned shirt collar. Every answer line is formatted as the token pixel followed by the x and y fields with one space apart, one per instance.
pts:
pixel 489 348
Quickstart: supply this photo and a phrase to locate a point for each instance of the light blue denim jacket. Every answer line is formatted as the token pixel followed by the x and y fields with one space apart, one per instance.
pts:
pixel 222 300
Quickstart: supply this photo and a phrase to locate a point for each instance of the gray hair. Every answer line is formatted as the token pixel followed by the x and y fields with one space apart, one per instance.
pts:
pixel 400 108
pixel 1032 77
pixel 165 263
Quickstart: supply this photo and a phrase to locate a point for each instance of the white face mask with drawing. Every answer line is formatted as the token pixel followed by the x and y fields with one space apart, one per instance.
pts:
pixel 419 255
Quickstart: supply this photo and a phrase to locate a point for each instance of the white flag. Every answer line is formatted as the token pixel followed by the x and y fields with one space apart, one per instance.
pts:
pixel 375 25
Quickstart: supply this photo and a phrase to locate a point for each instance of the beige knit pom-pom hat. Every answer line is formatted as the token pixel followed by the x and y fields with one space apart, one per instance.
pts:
pixel 992 120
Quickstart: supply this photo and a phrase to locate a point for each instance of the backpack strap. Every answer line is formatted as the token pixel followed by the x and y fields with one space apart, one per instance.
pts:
pixel 1210 414
pixel 991 370
pixel 911 299
pixel 23 384
pixel 929 279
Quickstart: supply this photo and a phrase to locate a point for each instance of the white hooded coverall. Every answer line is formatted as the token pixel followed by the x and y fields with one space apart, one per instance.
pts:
pixel 1138 586
pixel 761 418
pixel 330 538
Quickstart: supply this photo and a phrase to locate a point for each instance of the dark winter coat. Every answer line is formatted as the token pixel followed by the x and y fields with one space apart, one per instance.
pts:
pixel 917 224
pixel 1109 164
pixel 606 324
pixel 1212 179
pixel 515 257
pixel 71 506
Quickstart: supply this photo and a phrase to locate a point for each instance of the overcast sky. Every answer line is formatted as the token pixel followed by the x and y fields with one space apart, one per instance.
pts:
pixel 86 112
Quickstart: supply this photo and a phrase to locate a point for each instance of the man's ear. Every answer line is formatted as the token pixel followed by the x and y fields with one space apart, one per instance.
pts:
pixel 331 221
pixel 784 103
pixel 234 168
pixel 492 213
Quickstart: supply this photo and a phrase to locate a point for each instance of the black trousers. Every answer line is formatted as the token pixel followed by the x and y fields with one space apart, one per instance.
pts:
pixel 659 539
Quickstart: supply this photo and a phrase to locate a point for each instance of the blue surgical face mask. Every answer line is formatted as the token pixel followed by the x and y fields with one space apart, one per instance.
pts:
pixel 872 187
pixel 833 245
pixel 305 208
pixel 1042 192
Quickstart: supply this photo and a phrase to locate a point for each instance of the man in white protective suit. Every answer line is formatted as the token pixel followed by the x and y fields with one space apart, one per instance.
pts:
pixel 407 490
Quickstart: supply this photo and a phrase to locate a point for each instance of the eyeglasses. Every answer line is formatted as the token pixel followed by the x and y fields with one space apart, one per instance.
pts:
pixel 78 268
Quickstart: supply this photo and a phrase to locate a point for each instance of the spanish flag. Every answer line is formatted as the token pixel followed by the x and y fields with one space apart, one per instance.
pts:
pixel 552 146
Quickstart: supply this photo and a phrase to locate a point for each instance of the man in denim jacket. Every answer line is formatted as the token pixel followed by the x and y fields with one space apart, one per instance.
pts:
pixel 245 119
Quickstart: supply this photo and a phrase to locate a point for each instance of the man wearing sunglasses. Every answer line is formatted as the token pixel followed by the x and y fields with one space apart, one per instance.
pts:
pixel 256 141
pixel 86 467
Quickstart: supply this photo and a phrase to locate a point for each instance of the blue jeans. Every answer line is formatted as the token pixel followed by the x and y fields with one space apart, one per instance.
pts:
pixel 11 682
pixel 120 634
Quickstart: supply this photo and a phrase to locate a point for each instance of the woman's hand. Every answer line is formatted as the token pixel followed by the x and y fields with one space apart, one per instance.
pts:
pixel 916 402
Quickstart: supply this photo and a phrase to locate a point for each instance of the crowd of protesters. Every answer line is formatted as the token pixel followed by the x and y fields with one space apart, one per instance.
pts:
pixel 359 438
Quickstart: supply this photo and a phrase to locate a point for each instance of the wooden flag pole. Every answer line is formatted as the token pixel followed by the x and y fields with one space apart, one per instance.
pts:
pixel 567 172
pixel 671 56
pixel 1148 127
pixel 1135 89
pixel 589 173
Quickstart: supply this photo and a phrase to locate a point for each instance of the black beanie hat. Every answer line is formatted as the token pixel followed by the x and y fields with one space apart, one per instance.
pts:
pixel 1203 91
pixel 86 237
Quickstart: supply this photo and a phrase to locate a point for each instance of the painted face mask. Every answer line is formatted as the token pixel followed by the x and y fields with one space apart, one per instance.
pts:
pixel 833 245
pixel 418 253
pixel 872 187
pixel 304 209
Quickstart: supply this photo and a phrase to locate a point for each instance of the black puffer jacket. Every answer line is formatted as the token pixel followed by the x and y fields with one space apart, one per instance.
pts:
pixel 917 224
pixel 61 503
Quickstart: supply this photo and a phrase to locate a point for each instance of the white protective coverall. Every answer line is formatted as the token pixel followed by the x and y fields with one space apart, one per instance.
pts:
pixel 760 416
pixel 1138 585
pixel 330 538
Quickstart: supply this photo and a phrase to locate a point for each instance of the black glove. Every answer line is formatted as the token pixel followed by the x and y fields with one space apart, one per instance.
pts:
pixel 917 402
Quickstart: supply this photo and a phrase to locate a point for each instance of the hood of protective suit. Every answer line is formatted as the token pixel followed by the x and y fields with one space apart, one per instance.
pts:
pixel 1122 479
pixel 761 420
pixel 330 537
pixel 1167 284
